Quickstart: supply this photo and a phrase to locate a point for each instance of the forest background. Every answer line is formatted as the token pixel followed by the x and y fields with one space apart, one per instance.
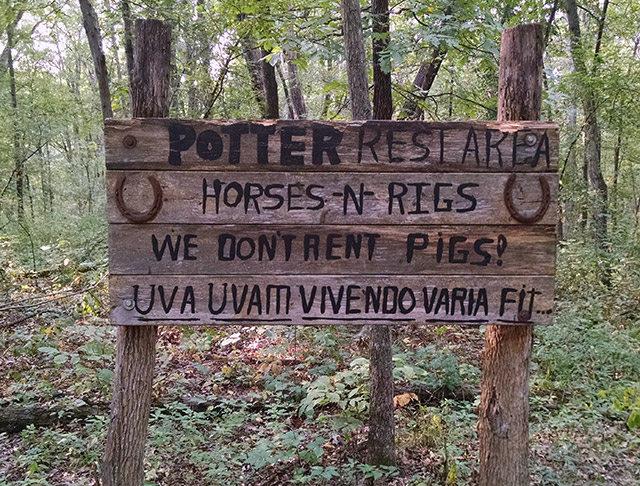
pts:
pixel 290 405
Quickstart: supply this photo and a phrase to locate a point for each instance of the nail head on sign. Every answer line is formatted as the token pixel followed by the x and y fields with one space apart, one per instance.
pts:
pixel 530 139
pixel 524 316
pixel 129 141
pixel 128 304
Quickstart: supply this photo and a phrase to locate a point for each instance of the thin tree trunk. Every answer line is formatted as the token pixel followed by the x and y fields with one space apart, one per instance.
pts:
pixel 297 98
pixel 270 87
pixel 382 99
pixel 17 152
pixel 592 136
pixel 123 460
pixel 287 95
pixel 125 9
pixel 356 60
pixel 381 440
pixel 423 82
pixel 503 418
pixel 263 78
pixel 91 27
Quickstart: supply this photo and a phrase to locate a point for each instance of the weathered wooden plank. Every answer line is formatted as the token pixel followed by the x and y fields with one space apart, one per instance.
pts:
pixel 297 145
pixel 263 299
pixel 154 249
pixel 325 198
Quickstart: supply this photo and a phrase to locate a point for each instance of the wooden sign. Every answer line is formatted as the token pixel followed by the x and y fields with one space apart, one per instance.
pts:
pixel 301 222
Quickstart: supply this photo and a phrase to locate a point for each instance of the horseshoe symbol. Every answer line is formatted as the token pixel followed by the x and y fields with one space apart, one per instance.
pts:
pixel 142 216
pixel 537 216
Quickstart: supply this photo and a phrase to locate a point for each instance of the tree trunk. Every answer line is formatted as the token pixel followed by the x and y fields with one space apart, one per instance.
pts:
pixel 90 20
pixel 381 440
pixel 503 418
pixel 263 77
pixel 592 137
pixel 17 152
pixel 123 460
pixel 423 82
pixel 356 60
pixel 270 87
pixel 287 95
pixel 382 99
pixel 297 98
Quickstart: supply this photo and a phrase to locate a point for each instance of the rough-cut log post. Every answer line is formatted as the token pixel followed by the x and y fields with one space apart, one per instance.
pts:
pixel 503 426
pixel 123 460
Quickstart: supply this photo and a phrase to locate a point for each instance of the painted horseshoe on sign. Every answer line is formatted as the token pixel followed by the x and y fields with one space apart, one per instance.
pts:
pixel 517 215
pixel 139 216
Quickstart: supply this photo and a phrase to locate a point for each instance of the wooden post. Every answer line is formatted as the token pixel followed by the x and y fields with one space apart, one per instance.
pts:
pixel 503 426
pixel 123 460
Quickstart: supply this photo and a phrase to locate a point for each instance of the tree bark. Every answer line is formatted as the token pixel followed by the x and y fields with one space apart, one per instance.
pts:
pixel 503 418
pixel 423 82
pixel 382 99
pixel 17 152
pixel 381 440
pixel 592 136
pixel 356 60
pixel 123 460
pixel 91 27
pixel 285 89
pixel 263 78
pixel 297 98
pixel 270 87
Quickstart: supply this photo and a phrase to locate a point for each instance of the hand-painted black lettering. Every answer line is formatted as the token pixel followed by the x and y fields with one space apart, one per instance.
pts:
pixel 436 198
pixel 188 246
pixel 189 299
pixel 209 145
pixel 235 132
pixel 217 189
pixel 543 149
pixel 269 191
pixel 291 196
pixel 353 245
pixel 496 145
pixel 419 195
pixel 416 142
pixel 371 243
pixel 464 254
pixel 152 296
pixel 467 148
pixel 248 251
pixel 311 243
pixel 166 306
pixel 371 143
pixel 288 145
pixel 351 299
pixel 390 143
pixel 181 138
pixel 262 140
pixel 166 243
pixel 504 299
pixel 486 256
pixel 393 195
pixel 332 245
pixel 315 197
pixel 230 255
pixel 469 197
pixel 325 140
pixel 416 241
pixel 249 196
